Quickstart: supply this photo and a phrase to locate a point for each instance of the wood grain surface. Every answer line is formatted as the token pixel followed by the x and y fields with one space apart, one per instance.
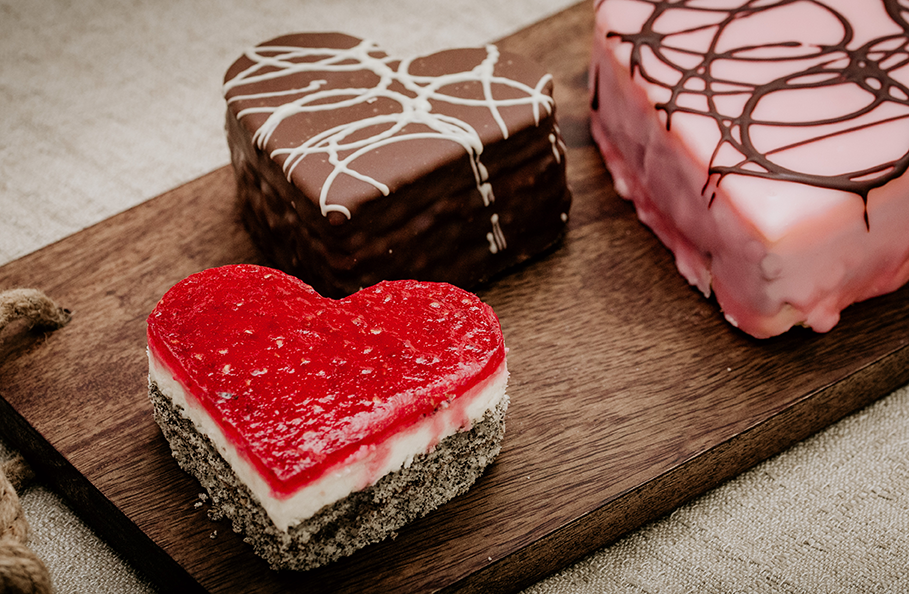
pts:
pixel 630 394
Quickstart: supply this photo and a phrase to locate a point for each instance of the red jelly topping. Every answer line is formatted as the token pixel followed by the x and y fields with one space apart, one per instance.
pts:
pixel 299 383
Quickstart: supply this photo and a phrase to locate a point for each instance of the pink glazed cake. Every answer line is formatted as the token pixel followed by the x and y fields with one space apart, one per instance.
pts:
pixel 765 143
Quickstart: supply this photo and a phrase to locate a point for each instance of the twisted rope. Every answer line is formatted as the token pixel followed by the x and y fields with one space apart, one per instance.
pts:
pixel 31 305
pixel 21 570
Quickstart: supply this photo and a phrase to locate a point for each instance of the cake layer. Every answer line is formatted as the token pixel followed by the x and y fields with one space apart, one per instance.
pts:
pixel 768 155
pixel 353 167
pixel 343 527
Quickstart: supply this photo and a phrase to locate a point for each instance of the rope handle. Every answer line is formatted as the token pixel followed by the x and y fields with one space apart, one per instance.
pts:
pixel 31 305
pixel 21 570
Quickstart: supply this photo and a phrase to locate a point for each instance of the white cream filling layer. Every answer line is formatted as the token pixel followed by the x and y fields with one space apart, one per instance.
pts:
pixel 370 463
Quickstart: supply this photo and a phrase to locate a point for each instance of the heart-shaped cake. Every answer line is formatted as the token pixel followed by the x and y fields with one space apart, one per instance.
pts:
pixel 353 167
pixel 297 404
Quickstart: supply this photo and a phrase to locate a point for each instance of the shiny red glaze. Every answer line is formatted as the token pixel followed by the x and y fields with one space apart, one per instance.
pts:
pixel 298 382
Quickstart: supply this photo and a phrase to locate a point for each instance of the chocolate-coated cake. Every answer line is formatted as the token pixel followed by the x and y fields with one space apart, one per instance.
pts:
pixel 353 167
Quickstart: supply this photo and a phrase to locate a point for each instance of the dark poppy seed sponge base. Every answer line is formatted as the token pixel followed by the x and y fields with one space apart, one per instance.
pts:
pixel 339 529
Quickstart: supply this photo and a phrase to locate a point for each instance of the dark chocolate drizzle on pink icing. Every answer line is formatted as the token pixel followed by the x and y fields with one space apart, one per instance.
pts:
pixel 868 66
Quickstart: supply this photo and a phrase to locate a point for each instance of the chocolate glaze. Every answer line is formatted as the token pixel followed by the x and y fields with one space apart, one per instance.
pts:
pixel 460 207
pixel 831 64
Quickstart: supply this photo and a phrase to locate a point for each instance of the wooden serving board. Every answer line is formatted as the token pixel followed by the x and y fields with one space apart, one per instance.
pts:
pixel 630 394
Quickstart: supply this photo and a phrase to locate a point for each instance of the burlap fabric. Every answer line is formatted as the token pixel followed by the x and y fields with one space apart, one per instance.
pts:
pixel 107 103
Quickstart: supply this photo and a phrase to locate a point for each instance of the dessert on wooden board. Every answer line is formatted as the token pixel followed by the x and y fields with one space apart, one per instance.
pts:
pixel 354 167
pixel 765 143
pixel 320 426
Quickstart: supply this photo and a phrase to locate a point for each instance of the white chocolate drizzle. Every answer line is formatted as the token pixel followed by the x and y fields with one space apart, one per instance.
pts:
pixel 558 145
pixel 274 61
pixel 495 237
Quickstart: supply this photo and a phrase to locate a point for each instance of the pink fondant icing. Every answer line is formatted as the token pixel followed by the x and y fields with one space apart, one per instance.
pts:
pixel 765 143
